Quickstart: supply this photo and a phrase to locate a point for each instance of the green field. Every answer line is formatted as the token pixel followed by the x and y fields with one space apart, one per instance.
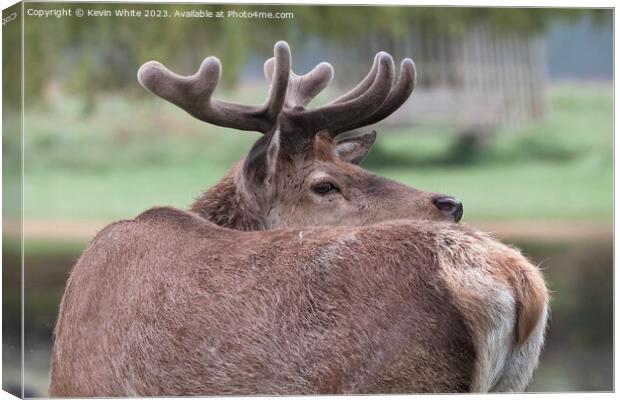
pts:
pixel 128 154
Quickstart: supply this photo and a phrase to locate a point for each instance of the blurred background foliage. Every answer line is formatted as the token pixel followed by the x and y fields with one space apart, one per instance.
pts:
pixel 99 148
pixel 103 53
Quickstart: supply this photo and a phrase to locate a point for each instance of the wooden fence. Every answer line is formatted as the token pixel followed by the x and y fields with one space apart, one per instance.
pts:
pixel 478 78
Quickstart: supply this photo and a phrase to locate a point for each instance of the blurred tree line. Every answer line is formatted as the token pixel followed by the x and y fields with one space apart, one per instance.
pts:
pixel 87 55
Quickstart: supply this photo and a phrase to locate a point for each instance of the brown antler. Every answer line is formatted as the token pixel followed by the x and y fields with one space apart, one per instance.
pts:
pixel 364 85
pixel 397 96
pixel 193 93
pixel 341 116
pixel 372 100
pixel 302 89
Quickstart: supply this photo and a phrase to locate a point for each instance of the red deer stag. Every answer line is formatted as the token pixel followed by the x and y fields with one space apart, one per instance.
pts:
pixel 299 173
pixel 176 302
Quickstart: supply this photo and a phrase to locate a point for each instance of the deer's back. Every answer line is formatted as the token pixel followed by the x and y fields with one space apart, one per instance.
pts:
pixel 170 304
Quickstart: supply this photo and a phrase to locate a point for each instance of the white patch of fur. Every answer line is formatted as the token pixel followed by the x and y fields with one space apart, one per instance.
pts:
pixel 490 307
pixel 495 345
pixel 346 148
pixel 522 361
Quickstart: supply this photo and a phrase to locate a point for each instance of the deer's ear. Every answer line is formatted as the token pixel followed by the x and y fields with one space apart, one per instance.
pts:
pixel 261 162
pixel 354 149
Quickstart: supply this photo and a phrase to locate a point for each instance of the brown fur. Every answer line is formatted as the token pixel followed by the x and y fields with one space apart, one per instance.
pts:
pixel 227 205
pixel 170 304
pixel 531 292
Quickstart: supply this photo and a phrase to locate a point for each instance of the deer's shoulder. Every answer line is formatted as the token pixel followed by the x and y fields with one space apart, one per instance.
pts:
pixel 156 226
pixel 172 217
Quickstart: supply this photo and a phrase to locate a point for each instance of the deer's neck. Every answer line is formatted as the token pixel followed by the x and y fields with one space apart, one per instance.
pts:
pixel 226 204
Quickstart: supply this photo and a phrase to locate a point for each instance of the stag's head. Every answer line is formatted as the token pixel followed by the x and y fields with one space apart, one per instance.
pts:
pixel 304 170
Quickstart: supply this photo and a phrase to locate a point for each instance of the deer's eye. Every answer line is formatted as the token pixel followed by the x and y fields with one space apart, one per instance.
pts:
pixel 323 188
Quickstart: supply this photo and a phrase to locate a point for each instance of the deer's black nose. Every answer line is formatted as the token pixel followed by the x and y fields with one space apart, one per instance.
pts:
pixel 450 206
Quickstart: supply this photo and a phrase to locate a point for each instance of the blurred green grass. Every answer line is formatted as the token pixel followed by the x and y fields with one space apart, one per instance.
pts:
pixel 135 152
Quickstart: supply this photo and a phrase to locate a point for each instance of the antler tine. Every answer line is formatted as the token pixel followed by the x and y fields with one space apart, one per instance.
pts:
pixel 302 89
pixel 164 83
pixel 279 85
pixel 193 93
pixel 363 85
pixel 336 118
pixel 401 91
pixel 306 87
